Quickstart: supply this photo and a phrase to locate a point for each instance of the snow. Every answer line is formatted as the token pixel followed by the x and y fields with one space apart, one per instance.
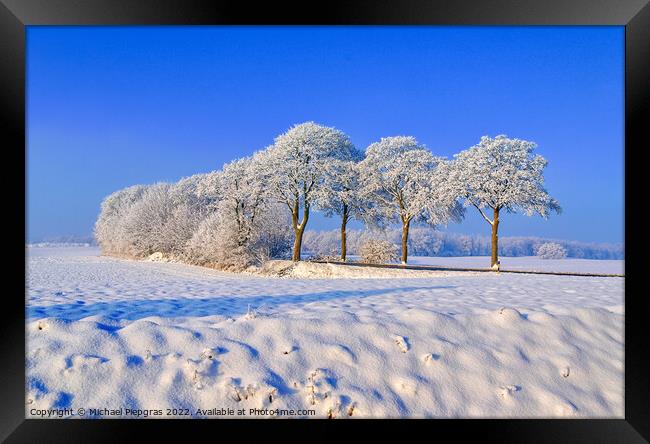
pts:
pixel 310 270
pixel 530 263
pixel 112 333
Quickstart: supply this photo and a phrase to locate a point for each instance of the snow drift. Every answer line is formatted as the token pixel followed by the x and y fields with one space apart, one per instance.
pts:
pixel 113 333
pixel 411 363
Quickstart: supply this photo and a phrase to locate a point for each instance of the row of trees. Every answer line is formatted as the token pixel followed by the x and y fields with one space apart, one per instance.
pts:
pixel 241 211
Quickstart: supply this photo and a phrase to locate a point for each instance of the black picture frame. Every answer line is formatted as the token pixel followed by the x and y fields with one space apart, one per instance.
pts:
pixel 15 15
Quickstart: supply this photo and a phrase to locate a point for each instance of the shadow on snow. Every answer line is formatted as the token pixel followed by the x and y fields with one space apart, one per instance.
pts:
pixel 176 307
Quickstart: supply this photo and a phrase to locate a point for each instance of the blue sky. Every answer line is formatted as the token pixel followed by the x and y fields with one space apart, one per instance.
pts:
pixel 109 107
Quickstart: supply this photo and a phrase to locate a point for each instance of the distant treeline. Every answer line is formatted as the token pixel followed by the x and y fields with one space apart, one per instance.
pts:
pixel 428 242
pixel 71 240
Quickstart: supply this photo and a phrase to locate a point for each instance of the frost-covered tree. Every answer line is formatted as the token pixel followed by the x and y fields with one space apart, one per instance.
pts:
pixel 189 210
pixel 270 238
pixel 217 241
pixel 423 241
pixel 144 225
pixel 141 220
pixel 401 180
pixel 244 195
pixel 109 231
pixel 551 250
pixel 238 196
pixel 340 193
pixel 295 169
pixel 501 174
pixel 377 251
pixel 187 191
pixel 209 188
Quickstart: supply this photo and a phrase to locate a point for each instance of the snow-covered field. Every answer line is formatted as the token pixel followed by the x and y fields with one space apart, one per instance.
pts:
pixel 530 263
pixel 120 334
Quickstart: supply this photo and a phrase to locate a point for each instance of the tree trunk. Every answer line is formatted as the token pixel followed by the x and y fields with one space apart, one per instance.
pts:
pixel 299 229
pixel 495 240
pixel 297 244
pixel 344 222
pixel 405 238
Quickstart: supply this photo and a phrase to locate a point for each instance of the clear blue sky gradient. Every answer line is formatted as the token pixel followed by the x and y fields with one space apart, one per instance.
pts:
pixel 109 107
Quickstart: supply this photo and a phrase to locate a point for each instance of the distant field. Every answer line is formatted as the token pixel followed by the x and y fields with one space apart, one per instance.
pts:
pixel 531 263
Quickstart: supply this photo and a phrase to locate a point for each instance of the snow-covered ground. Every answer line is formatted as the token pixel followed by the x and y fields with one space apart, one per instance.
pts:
pixel 113 333
pixel 530 263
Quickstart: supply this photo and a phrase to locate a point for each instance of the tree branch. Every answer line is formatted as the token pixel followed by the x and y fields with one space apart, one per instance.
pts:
pixel 483 214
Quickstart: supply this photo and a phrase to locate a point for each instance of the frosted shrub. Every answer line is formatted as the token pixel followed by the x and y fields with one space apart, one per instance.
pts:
pixel 551 250
pixel 378 251
pixel 190 208
pixel 218 242
pixel 141 220
pixel 201 248
pixel 144 224
pixel 250 228
pixel 114 209
pixel 271 239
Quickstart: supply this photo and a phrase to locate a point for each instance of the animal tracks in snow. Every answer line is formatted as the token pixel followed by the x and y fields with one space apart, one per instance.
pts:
pixel 178 335
pixel 565 371
pixel 507 391
pixel 402 342
pixel 430 358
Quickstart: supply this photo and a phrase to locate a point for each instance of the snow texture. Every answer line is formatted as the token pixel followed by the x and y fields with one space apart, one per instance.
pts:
pixel 530 263
pixel 109 332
